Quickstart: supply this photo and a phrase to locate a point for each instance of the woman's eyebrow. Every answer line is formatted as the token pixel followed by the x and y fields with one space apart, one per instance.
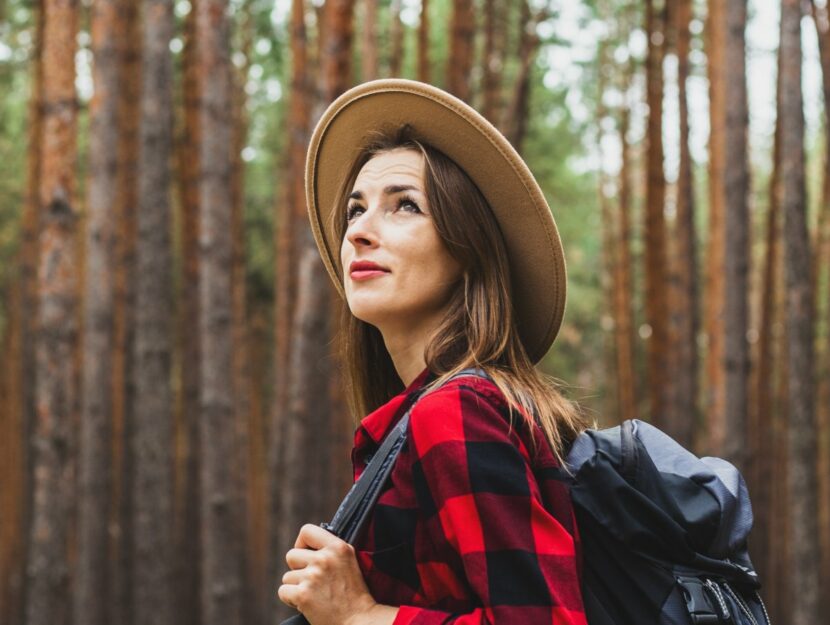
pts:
pixel 395 188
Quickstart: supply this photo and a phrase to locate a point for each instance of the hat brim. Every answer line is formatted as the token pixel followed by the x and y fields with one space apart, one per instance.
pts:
pixel 536 258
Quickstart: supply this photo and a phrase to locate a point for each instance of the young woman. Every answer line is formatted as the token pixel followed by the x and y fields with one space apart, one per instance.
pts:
pixel 444 248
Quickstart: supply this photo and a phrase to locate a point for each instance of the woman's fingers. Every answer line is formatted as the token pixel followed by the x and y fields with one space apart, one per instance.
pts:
pixel 299 558
pixel 314 537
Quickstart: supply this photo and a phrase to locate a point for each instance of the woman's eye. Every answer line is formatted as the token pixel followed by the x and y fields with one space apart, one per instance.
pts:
pixel 407 201
pixel 350 211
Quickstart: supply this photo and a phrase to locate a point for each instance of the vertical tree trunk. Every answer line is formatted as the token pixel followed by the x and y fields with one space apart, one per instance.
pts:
pixel 53 442
pixel 682 409
pixel 623 317
pixel 714 408
pixel 123 393
pixel 821 265
pixel 736 235
pixel 152 441
pixel 462 49
pixel 369 50
pixel 396 36
pixel 220 521
pixel 91 588
pixel 290 212
pixel 21 362
pixel 187 501
pixel 802 485
pixel 423 43
pixel 655 226
pixel 492 60
pixel 250 582
pixel 762 476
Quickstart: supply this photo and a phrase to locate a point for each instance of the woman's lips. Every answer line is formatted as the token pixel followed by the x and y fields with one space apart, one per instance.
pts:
pixel 366 274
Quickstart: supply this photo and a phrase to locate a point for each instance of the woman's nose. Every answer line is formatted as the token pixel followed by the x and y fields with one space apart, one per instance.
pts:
pixel 362 230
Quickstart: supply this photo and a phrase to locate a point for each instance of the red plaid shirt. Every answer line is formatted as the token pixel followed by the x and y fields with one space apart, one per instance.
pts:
pixel 470 528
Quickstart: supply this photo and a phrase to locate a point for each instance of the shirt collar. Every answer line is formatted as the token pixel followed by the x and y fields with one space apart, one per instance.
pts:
pixel 376 424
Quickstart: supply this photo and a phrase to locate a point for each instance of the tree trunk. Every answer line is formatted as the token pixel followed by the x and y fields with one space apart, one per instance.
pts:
pixel 821 265
pixel 656 305
pixel 369 51
pixel 804 557
pixel 737 227
pixel 152 441
pixel 623 317
pixel 492 60
pixel 682 413
pixel 220 519
pixel 187 500
pixel 290 216
pixel 761 476
pixel 714 406
pixel 123 393
pixel 91 587
pixel 396 36
pixel 21 363
pixel 462 49
pixel 423 43
pixel 53 441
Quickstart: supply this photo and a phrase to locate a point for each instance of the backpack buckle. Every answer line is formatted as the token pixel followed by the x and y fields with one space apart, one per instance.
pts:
pixel 703 602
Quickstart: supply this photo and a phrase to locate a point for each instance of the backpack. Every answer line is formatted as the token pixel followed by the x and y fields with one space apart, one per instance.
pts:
pixel 663 532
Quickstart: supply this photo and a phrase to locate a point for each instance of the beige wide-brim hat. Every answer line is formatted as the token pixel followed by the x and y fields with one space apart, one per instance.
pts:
pixel 536 258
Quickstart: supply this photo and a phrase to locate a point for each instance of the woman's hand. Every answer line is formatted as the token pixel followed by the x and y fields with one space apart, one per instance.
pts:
pixel 325 582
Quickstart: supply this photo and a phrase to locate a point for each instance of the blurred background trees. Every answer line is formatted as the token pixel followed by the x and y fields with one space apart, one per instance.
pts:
pixel 171 409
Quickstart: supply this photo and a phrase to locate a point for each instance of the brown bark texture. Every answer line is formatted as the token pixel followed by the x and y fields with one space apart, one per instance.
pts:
pixel 714 404
pixel 95 462
pixel 462 49
pixel 801 466
pixel 681 410
pixel 188 606
pixel 290 217
pixel 152 430
pixel 396 37
pixel 123 383
pixel 656 305
pixel 220 528
pixel 369 42
pixel 423 70
pixel 736 235
pixel 53 442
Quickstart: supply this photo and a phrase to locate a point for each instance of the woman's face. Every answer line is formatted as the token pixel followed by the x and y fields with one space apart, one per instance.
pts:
pixel 389 223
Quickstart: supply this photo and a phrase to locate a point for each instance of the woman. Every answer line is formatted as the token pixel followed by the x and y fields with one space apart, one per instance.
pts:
pixel 443 246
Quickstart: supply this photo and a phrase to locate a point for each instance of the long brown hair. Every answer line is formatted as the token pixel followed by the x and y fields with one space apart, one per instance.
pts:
pixel 479 329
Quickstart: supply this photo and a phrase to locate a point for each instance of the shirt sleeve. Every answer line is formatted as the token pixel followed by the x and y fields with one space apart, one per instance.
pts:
pixel 476 487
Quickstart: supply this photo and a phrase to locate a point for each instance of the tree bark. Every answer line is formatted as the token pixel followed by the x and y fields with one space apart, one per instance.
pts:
pixel 91 587
pixel 714 405
pixel 736 236
pixel 682 413
pixel 396 36
pixel 492 60
pixel 187 501
pixel 462 49
pixel 423 43
pixel 220 520
pixel 53 443
pixel 821 265
pixel 369 50
pixel 804 557
pixel 655 225
pixel 290 213
pixel 152 441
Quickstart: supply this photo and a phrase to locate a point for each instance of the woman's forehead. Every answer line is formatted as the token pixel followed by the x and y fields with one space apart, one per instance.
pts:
pixel 400 167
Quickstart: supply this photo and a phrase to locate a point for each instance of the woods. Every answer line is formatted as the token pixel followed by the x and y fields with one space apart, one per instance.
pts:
pixel 172 406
